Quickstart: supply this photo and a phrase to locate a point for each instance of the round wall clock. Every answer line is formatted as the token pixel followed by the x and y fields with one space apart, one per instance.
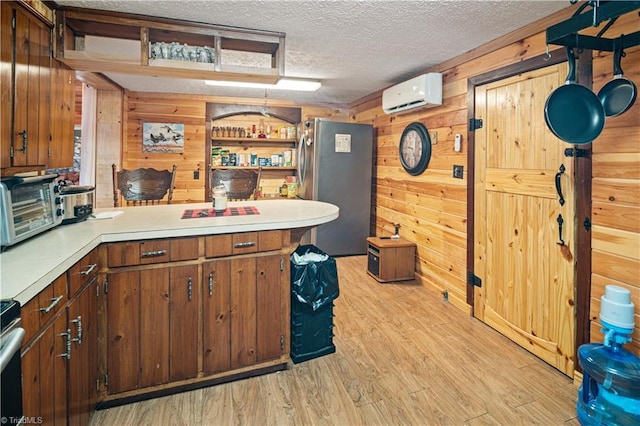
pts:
pixel 415 148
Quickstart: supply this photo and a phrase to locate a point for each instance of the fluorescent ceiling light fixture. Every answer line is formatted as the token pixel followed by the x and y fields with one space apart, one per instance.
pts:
pixel 282 84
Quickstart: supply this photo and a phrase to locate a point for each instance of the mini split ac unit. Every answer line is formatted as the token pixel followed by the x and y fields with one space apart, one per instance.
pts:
pixel 420 92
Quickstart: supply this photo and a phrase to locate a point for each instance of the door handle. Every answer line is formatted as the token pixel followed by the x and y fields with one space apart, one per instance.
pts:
pixel 560 222
pixel 24 141
pixel 10 345
pixel 78 323
pixel 561 171
pixel 211 283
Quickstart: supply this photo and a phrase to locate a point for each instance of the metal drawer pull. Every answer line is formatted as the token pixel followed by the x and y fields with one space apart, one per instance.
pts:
pixel 154 253
pixel 54 302
pixel 67 335
pixel 78 338
pixel 189 287
pixel 89 269
pixel 211 283
pixel 243 245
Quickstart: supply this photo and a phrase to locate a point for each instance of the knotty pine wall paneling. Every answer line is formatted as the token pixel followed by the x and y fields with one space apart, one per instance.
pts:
pixel 616 190
pixel 143 107
pixel 167 108
pixel 109 111
pixel 431 208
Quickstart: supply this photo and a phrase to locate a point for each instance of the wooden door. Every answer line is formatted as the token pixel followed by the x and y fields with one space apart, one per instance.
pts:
pixel 183 322
pixel 269 333
pixel 82 317
pixel 216 316
pixel 44 375
pixel 32 84
pixel 528 279
pixel 123 329
pixel 6 83
pixel 154 327
pixel 243 311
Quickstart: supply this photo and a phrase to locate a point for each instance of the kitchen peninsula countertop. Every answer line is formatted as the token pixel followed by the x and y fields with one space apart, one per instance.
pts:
pixel 28 267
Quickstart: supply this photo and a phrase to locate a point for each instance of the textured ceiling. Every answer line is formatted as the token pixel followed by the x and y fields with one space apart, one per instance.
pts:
pixel 355 47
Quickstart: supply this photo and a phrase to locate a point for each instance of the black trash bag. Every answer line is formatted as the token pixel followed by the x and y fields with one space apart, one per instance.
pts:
pixel 314 283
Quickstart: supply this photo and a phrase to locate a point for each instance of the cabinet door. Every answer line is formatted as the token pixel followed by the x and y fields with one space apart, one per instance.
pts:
pixel 6 83
pixel 123 331
pixel 154 327
pixel 183 322
pixel 63 100
pixel 44 375
pixel 31 88
pixel 243 312
pixel 269 332
pixel 82 320
pixel 216 316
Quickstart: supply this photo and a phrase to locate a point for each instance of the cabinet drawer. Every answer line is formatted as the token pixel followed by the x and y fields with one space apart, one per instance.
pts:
pixel 152 251
pixel 83 272
pixel 39 310
pixel 242 243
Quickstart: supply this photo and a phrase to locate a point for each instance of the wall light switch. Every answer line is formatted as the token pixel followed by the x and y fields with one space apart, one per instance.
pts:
pixel 196 174
pixel 457 144
pixel 458 171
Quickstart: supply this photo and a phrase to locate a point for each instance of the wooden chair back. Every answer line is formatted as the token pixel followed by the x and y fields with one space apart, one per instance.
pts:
pixel 142 186
pixel 240 184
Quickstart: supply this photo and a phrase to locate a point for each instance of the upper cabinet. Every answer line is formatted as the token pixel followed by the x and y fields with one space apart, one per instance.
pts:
pixel 115 42
pixel 37 107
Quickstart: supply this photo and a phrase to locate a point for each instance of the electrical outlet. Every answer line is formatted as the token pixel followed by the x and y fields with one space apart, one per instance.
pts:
pixel 434 138
pixel 196 174
pixel 458 171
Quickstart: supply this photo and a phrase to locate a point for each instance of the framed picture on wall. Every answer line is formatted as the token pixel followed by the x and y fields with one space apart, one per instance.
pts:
pixel 163 137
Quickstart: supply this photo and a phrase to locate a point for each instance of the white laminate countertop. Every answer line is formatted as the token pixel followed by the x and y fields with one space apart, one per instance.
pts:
pixel 29 266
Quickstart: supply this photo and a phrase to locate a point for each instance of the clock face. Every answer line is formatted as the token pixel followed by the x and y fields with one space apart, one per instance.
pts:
pixel 415 148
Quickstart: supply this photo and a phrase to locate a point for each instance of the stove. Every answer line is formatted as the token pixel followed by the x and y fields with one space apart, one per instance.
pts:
pixel 11 337
pixel 9 311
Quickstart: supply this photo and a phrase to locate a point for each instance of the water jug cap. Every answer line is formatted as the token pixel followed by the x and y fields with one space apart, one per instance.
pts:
pixel 616 307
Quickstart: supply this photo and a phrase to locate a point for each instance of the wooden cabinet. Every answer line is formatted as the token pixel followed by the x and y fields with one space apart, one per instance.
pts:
pixel 60 359
pixel 44 355
pixel 187 319
pixel 216 320
pixel 26 46
pixel 37 92
pixel 391 259
pixel 83 363
pixel 131 44
pixel 152 324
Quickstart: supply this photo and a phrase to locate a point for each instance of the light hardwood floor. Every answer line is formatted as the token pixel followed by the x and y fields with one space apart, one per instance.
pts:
pixel 404 357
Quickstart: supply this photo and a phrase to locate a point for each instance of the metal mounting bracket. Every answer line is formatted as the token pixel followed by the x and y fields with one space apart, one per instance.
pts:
pixel 566 33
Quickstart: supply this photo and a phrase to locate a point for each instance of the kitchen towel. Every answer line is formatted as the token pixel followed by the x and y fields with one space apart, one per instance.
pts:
pixel 230 211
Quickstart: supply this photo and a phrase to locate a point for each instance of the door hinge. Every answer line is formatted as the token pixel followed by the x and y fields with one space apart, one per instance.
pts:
pixel 98 290
pixel 106 286
pixel 475 124
pixel 587 224
pixel 473 279
pixel 106 380
pixel 11 154
pixel 13 22
pixel 49 152
pixel 281 264
pixel 576 152
pixel 281 342
pixel 97 385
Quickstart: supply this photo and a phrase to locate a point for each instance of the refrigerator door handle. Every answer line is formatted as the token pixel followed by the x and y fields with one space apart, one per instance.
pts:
pixel 302 154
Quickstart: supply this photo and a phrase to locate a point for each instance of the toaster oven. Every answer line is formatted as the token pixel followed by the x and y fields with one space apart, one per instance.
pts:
pixel 28 207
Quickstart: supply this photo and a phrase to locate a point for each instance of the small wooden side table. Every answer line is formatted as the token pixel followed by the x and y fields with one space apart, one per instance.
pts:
pixel 391 259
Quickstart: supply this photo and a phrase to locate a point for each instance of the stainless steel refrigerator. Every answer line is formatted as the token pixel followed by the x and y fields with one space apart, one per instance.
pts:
pixel 334 165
